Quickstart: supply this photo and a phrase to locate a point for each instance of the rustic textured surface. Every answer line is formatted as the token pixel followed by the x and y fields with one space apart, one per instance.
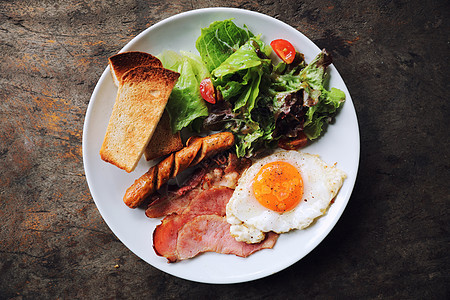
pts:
pixel 391 242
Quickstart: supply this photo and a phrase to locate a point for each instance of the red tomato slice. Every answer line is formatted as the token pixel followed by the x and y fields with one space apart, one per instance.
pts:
pixel 293 143
pixel 284 50
pixel 207 90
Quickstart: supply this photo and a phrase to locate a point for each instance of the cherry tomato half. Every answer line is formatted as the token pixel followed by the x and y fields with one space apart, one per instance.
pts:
pixel 207 91
pixel 293 143
pixel 284 50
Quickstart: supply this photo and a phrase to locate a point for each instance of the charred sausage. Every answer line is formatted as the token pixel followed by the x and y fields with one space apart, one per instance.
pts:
pixel 196 150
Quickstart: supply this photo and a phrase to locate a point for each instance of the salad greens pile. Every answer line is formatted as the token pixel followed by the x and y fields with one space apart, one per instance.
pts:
pixel 259 102
pixel 185 106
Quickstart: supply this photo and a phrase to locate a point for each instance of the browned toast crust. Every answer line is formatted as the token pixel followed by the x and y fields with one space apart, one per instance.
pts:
pixel 142 96
pixel 123 62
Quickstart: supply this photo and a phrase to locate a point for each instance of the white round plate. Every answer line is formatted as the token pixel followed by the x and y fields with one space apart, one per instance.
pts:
pixel 108 183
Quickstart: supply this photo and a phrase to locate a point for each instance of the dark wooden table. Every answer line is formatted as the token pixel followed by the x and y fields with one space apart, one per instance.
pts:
pixel 391 242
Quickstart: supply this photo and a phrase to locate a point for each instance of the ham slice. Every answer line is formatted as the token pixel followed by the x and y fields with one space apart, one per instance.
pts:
pixel 223 171
pixel 165 236
pixel 174 203
pixel 195 219
pixel 212 201
pixel 177 199
pixel 202 227
pixel 211 233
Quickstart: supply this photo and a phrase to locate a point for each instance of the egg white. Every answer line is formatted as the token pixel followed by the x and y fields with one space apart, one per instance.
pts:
pixel 250 220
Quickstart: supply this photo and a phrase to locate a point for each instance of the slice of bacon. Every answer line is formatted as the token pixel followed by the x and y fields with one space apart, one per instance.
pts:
pixel 195 219
pixel 209 202
pixel 211 233
pixel 174 203
pixel 166 234
pixel 200 230
pixel 222 171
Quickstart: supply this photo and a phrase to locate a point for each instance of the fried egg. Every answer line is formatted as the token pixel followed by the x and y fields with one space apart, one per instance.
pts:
pixel 281 192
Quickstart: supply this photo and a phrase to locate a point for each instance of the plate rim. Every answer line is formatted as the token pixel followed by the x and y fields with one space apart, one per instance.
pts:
pixel 88 117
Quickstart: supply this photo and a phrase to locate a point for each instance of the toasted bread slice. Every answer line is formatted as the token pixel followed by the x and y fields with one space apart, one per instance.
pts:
pixel 123 62
pixel 141 99
pixel 163 140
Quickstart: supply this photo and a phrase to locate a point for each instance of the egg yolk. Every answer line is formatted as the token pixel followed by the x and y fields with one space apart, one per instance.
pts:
pixel 278 186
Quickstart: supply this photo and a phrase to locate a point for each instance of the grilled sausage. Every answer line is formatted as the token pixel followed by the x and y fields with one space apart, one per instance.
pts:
pixel 196 150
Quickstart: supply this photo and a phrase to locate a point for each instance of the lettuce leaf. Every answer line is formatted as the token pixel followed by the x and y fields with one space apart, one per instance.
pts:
pixel 185 103
pixel 314 73
pixel 244 58
pixel 259 102
pixel 304 103
pixel 217 42
pixel 245 142
pixel 328 102
pixel 238 78
pixel 319 115
pixel 251 92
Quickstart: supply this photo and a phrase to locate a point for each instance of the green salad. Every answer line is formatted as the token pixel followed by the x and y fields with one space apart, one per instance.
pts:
pixel 234 86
